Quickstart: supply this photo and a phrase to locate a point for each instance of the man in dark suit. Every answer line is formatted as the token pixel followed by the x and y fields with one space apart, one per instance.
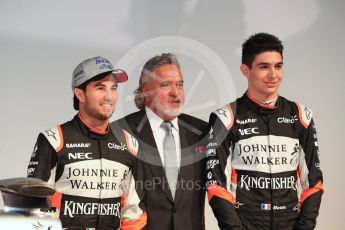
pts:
pixel 172 159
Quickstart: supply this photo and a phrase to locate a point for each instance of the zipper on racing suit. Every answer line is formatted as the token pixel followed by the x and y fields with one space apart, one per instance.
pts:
pixel 101 179
pixel 270 170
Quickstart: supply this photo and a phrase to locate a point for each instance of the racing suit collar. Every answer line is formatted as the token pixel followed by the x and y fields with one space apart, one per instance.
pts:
pixel 90 131
pixel 261 108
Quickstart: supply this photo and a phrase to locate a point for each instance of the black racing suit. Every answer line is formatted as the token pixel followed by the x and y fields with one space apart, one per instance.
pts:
pixel 263 167
pixel 93 173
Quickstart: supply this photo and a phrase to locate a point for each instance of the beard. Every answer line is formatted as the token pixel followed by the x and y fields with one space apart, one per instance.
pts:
pixel 174 112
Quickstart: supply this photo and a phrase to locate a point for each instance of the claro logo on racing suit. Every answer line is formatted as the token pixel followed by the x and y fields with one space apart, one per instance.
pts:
pixel 291 120
pixel 72 208
pixel 249 182
pixel 121 147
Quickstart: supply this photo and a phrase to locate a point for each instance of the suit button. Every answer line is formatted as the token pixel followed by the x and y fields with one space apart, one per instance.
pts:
pixel 175 210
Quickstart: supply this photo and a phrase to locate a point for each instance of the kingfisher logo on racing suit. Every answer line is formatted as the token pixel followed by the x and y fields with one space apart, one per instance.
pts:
pixel 72 208
pixel 249 182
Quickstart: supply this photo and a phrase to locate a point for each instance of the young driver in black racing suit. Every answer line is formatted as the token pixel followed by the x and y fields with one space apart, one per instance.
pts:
pixel 263 167
pixel 92 168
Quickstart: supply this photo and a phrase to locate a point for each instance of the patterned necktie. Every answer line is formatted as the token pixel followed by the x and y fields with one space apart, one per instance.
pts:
pixel 170 157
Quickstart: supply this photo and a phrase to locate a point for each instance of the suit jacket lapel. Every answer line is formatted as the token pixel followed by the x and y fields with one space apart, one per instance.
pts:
pixel 187 151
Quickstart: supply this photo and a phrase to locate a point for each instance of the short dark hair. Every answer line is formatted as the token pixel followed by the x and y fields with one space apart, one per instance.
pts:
pixel 259 43
pixel 149 67
pixel 83 87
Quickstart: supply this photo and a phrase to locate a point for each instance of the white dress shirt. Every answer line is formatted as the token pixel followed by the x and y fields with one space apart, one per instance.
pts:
pixel 159 133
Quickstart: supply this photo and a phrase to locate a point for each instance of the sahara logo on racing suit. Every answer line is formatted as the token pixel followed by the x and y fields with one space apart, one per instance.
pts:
pixel 246 121
pixel 78 145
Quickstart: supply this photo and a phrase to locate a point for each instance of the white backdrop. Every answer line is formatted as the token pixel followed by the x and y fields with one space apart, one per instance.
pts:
pixel 41 41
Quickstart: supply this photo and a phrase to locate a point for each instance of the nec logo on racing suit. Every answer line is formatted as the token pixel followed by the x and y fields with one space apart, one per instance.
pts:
pixel 292 120
pixel 79 156
pixel 248 131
